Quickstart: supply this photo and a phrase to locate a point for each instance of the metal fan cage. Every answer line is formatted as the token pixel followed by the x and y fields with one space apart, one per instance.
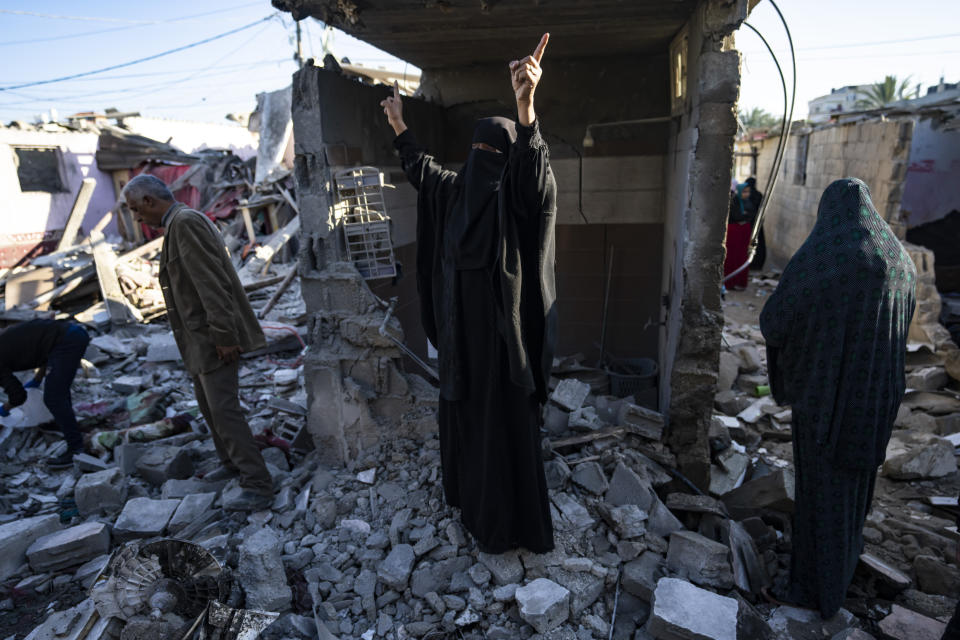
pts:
pixel 361 211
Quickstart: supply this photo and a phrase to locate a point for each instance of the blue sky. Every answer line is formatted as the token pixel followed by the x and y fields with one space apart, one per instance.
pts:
pixel 206 82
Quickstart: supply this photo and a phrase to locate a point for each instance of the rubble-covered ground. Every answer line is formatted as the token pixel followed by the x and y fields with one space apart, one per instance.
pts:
pixel 373 551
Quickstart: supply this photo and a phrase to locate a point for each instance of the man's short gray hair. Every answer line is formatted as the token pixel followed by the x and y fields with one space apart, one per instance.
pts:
pixel 147 185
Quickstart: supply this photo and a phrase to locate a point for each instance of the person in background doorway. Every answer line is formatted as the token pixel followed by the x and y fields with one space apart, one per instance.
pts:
pixel 485 274
pixel 54 348
pixel 836 332
pixel 755 200
pixel 738 238
pixel 213 324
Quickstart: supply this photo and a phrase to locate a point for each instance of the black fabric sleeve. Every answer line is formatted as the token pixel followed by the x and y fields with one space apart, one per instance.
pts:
pixel 422 170
pixel 531 179
pixel 16 394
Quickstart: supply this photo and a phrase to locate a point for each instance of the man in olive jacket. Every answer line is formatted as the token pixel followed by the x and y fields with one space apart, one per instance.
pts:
pixel 213 324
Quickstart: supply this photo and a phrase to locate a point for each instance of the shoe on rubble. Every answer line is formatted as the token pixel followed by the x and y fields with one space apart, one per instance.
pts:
pixel 62 461
pixel 246 500
pixel 222 472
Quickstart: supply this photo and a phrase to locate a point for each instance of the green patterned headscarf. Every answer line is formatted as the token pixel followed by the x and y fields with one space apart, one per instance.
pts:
pixel 836 328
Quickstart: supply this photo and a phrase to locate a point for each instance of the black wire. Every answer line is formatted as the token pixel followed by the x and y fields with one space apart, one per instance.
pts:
pixel 138 61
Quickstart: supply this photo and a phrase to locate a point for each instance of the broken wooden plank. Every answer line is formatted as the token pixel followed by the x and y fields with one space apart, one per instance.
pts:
pixel 263 256
pixel 69 237
pixel 120 310
pixel 279 292
pixel 145 249
pixel 599 434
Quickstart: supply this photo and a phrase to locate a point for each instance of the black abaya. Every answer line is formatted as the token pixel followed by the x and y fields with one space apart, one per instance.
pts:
pixel 485 279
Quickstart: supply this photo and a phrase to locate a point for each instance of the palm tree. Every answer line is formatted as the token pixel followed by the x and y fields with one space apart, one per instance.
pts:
pixel 757 118
pixel 880 94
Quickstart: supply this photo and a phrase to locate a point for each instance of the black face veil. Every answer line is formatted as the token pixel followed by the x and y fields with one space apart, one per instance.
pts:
pixel 473 227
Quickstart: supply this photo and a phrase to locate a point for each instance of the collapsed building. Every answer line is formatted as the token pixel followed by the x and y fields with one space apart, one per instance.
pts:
pixel 641 152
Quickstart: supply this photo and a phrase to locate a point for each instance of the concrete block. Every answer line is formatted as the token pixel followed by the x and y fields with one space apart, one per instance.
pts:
pixel 174 488
pixel 626 487
pixel 719 76
pixel 911 455
pixel 729 473
pixel 69 547
pixel 584 587
pixel 640 576
pixel 101 492
pixel 570 394
pixel 161 463
pixel 590 477
pixel 700 560
pixel 126 456
pixel 505 568
pixel 772 491
pixel 683 611
pixel 627 521
pixel 544 604
pixel 904 624
pixel 17 536
pixel 261 573
pixel 191 507
pixel 144 518
pixel 128 385
pixel 927 379
pixel 642 421
pixel 395 569
pixel 729 370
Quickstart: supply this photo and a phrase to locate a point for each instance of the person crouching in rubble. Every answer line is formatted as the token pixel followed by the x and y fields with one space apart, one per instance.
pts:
pixel 836 331
pixel 41 344
pixel 485 274
pixel 213 324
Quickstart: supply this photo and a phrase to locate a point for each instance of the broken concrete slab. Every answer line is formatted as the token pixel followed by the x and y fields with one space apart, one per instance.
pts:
pixel 590 477
pixel 144 518
pixel 911 455
pixel 261 573
pixel 570 393
pixel 933 576
pixel 70 547
pixel 127 454
pixel 700 560
pixel 772 491
pixel 755 411
pixel 883 571
pixel 17 536
pixel 640 576
pixel 927 379
pixel 695 504
pixel 806 624
pixel 626 487
pixel 505 568
pixel 162 463
pixel 730 471
pixel 575 514
pixel 128 384
pixel 101 492
pixel 728 372
pixel 585 588
pixel 904 624
pixel 641 421
pixel 683 611
pixel 661 521
pixel 627 521
pixel 395 569
pixel 544 604
pixel 190 509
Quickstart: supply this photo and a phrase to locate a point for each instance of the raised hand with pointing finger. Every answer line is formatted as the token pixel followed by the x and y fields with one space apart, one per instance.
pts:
pixel 525 75
pixel 393 109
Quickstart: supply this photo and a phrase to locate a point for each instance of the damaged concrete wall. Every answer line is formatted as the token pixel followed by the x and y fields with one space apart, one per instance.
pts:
pixel 876 151
pixel 356 392
pixel 931 190
pixel 32 218
pixel 698 183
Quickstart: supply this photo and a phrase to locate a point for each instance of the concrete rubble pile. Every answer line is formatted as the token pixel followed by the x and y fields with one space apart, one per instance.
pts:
pixel 370 550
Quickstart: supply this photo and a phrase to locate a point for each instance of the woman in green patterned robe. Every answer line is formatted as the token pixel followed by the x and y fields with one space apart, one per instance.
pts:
pixel 836 332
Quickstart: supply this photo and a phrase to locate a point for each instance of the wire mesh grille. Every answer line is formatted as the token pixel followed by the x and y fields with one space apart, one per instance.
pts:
pixel 361 211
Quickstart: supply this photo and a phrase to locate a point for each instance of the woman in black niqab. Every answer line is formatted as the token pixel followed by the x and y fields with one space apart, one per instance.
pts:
pixel 485 252
pixel 836 331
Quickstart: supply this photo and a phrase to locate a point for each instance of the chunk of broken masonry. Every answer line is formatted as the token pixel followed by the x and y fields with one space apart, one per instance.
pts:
pixel 17 536
pixel 104 491
pixel 642 421
pixel 570 393
pixel 544 604
pixel 682 610
pixel 700 560
pixel 70 547
pixel 772 491
pixel 144 518
pixel 911 455
pixel 261 573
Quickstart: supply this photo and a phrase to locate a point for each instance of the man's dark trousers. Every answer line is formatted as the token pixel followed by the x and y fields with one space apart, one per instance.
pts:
pixel 62 364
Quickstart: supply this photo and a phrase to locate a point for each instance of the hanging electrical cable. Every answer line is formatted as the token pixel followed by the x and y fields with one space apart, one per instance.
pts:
pixel 784 137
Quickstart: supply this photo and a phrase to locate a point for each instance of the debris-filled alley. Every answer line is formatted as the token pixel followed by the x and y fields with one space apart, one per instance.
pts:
pixel 664 465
